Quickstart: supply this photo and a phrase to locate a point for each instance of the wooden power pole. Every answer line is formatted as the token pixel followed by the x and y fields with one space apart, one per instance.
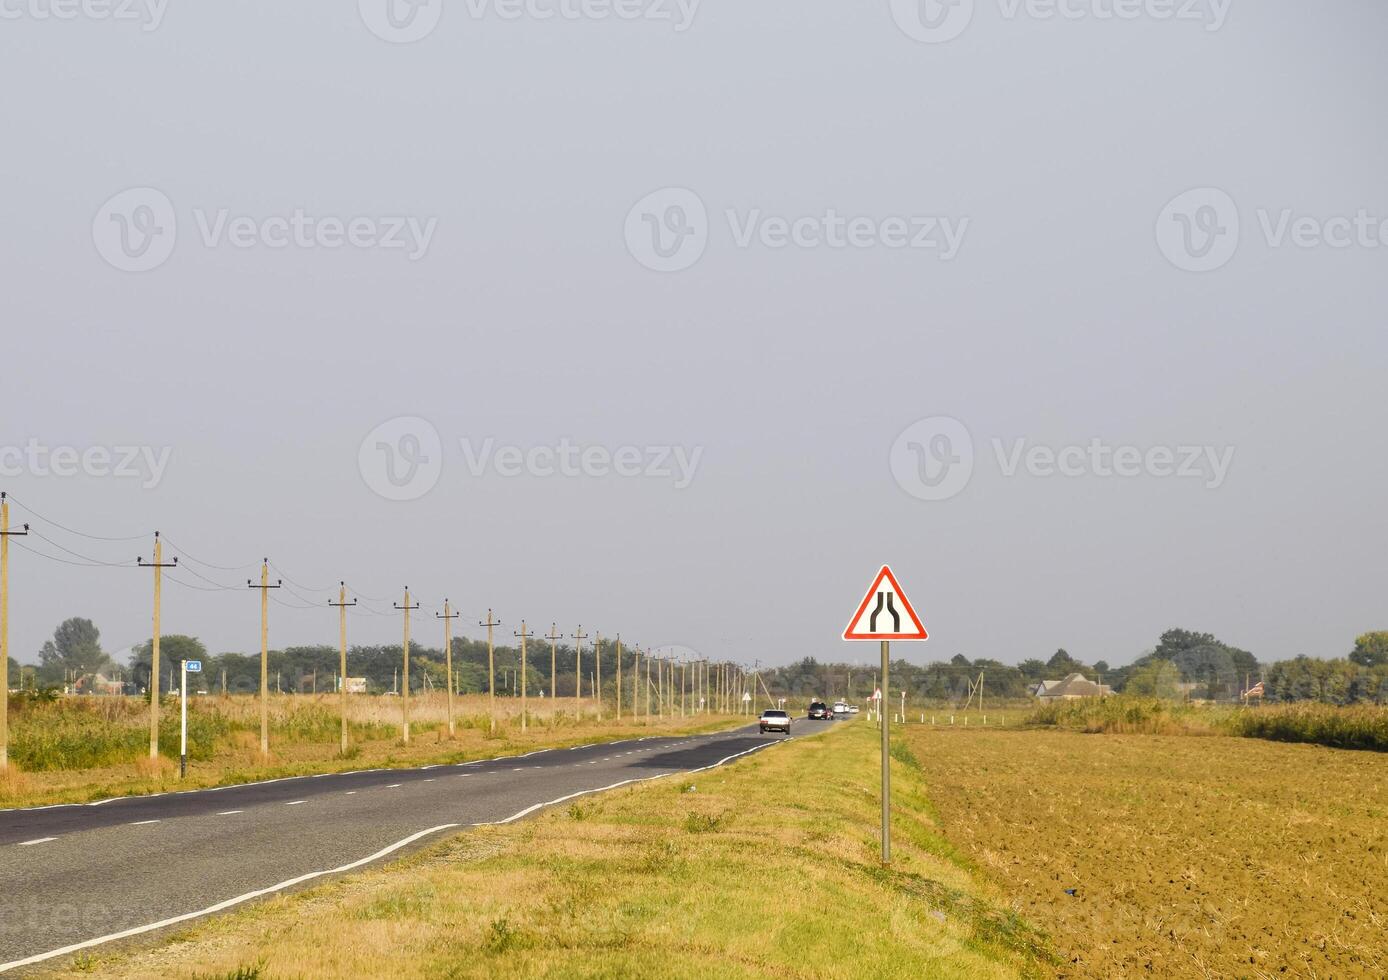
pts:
pixel 580 636
pixel 524 635
pixel 448 616
pixel 405 675
pixel 5 535
pixel 158 565
pixel 342 605
pixel 491 666
pixel 554 636
pixel 264 588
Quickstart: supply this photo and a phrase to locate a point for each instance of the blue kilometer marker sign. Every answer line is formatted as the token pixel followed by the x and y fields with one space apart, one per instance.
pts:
pixel 193 666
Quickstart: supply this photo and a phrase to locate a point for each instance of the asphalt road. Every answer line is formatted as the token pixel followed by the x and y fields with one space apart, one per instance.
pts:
pixel 84 874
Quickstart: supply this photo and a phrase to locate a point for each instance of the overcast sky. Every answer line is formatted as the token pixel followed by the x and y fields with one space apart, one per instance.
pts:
pixel 1076 320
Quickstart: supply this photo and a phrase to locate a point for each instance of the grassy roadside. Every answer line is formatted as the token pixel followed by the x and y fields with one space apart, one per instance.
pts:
pixel 766 866
pixel 305 740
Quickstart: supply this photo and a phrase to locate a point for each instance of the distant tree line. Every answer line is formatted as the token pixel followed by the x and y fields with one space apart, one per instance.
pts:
pixel 1183 664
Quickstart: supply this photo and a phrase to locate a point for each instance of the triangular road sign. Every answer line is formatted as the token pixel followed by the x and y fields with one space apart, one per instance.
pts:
pixel 885 613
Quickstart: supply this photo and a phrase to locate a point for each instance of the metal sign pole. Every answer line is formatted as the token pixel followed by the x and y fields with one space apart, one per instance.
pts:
pixel 183 724
pixel 886 765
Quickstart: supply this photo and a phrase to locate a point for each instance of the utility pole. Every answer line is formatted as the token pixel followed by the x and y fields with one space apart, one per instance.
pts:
pixel 580 636
pixel 341 605
pixel 264 588
pixel 554 636
pixel 405 675
pixel 597 667
pixel 619 677
pixel 158 565
pixel 523 634
pixel 491 666
pixel 647 696
pixel 635 682
pixel 448 617
pixel 5 535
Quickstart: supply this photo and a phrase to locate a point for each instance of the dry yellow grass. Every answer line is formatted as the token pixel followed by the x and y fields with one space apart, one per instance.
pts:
pixel 765 867
pixel 304 738
pixel 1189 857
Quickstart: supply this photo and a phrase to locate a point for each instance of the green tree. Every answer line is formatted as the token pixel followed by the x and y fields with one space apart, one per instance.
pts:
pixel 172 649
pixel 74 649
pixel 1371 649
pixel 1155 679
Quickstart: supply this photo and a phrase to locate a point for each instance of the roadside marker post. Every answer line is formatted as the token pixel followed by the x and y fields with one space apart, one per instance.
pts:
pixel 884 622
pixel 188 667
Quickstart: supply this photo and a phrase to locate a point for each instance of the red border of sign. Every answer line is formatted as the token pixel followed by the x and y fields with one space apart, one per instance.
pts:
pixel 886 573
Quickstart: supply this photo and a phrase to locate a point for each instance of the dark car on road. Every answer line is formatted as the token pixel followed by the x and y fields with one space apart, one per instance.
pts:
pixel 819 711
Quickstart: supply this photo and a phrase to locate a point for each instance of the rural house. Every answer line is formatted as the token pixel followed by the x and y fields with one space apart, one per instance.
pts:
pixel 1071 688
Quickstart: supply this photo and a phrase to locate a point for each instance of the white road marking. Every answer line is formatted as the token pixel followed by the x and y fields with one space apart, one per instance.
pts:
pixel 41 840
pixel 393 786
pixel 426 780
pixel 295 802
pixel 351 792
pixel 220 906
pixel 141 823
pixel 227 813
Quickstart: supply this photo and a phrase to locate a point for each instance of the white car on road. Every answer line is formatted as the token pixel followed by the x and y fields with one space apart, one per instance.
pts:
pixel 773 720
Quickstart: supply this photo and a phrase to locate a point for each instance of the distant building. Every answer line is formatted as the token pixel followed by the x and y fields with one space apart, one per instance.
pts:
pixel 356 685
pixel 1072 688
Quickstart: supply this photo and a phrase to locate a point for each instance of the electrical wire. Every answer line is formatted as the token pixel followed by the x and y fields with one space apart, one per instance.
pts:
pixel 78 554
pixel 79 564
pixel 183 553
pixel 220 586
pixel 307 588
pixel 190 585
pixel 69 530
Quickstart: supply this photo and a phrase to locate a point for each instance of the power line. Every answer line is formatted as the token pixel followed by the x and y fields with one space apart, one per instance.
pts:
pixel 79 564
pixel 207 564
pixel 307 588
pixel 80 534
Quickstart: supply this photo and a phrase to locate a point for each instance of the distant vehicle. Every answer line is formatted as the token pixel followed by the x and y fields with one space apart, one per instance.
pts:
pixel 773 720
pixel 819 711
pixel 853 709
pixel 841 708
